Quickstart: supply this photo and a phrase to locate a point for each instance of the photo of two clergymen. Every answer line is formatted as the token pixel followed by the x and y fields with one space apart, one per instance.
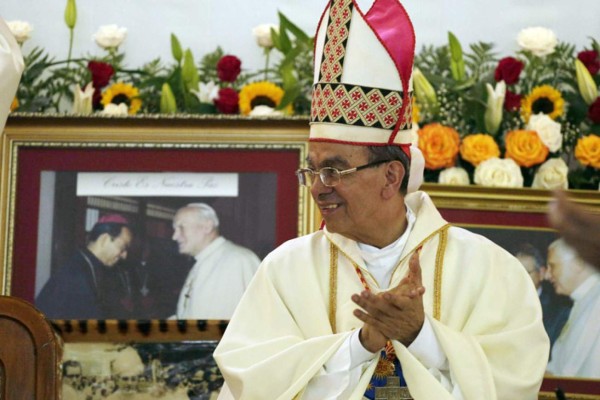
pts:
pixel 150 246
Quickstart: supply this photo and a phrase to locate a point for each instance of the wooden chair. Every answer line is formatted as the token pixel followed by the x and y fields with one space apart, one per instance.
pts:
pixel 30 353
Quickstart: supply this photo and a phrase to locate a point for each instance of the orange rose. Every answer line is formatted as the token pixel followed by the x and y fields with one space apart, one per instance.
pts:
pixel 525 147
pixel 478 148
pixel 439 145
pixel 14 105
pixel 587 150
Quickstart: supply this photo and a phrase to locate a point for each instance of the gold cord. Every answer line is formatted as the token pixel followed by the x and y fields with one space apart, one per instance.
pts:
pixel 437 285
pixel 439 266
pixel 333 266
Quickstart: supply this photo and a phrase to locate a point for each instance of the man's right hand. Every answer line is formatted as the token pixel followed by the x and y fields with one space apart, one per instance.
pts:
pixel 371 338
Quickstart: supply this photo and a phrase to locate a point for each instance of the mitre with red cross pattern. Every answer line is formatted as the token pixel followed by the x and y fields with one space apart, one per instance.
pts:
pixel 362 93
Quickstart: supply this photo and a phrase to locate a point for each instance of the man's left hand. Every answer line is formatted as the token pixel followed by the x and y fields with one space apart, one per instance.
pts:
pixel 397 313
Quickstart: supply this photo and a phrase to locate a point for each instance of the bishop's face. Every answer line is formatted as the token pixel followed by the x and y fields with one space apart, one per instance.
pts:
pixel 352 207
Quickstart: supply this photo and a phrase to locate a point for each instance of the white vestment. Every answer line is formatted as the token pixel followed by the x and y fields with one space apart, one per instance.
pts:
pixel 216 282
pixel 490 325
pixel 576 352
pixel 11 68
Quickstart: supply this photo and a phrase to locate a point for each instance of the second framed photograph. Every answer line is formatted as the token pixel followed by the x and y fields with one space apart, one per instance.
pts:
pixel 143 197
pixel 516 219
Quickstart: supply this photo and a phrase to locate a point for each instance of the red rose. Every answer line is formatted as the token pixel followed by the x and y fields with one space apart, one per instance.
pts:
pixel 594 111
pixel 512 101
pixel 508 70
pixel 227 101
pixel 101 73
pixel 590 59
pixel 228 68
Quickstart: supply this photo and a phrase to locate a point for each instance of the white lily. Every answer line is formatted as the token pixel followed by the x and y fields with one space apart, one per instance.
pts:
pixel 495 103
pixel 424 91
pixel 585 82
pixel 82 99
pixel 207 92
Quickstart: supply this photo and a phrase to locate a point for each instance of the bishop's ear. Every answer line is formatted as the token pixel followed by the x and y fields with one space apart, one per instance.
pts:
pixel 394 175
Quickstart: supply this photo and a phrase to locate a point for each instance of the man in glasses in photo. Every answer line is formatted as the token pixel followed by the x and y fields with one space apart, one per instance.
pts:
pixel 387 300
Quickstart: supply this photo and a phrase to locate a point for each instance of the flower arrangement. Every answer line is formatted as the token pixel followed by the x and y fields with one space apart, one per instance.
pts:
pixel 529 119
pixel 217 83
pixel 532 119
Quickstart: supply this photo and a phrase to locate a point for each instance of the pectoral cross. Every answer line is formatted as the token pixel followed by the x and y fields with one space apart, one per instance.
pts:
pixel 392 390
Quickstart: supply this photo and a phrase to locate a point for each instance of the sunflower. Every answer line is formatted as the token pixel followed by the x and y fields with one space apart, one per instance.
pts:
pixel 14 105
pixel 261 94
pixel 543 99
pixel 123 93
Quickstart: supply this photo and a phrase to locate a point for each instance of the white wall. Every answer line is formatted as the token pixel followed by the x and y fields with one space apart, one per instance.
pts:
pixel 204 24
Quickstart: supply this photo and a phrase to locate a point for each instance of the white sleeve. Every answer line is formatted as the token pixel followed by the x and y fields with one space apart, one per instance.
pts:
pixel 341 373
pixel 427 349
pixel 11 68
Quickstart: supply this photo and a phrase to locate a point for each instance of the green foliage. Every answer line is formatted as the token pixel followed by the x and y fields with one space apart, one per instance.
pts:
pixel 295 68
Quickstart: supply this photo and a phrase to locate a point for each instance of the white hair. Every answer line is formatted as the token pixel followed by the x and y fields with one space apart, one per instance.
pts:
pixel 205 212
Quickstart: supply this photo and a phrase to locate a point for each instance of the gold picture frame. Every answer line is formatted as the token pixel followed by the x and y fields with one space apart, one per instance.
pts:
pixel 60 137
pixel 467 206
pixel 507 216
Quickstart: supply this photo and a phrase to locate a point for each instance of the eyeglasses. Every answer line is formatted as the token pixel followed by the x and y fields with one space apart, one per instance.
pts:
pixel 330 176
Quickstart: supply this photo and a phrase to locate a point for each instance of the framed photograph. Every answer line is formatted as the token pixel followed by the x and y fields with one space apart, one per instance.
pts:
pixel 63 176
pixel 516 220
pixel 157 370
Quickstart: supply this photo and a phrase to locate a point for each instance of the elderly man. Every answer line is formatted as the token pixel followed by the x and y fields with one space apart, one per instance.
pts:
pixel 11 67
pixel 79 289
pixel 577 350
pixel 222 270
pixel 388 291
pixel 555 307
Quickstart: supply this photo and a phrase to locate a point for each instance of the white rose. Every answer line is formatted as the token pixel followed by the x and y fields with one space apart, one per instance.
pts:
pixel 547 129
pixel 21 30
pixel 454 176
pixel 262 34
pixel 538 40
pixel 207 93
pixel 110 36
pixel 115 110
pixel 498 172
pixel 552 175
pixel 263 111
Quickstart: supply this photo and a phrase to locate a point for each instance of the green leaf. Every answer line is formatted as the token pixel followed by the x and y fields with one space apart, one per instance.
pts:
pixel 457 63
pixel 189 72
pixel 167 100
pixel 176 48
pixel 289 97
pixel 276 39
pixel 298 33
pixel 284 41
pixel 287 76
